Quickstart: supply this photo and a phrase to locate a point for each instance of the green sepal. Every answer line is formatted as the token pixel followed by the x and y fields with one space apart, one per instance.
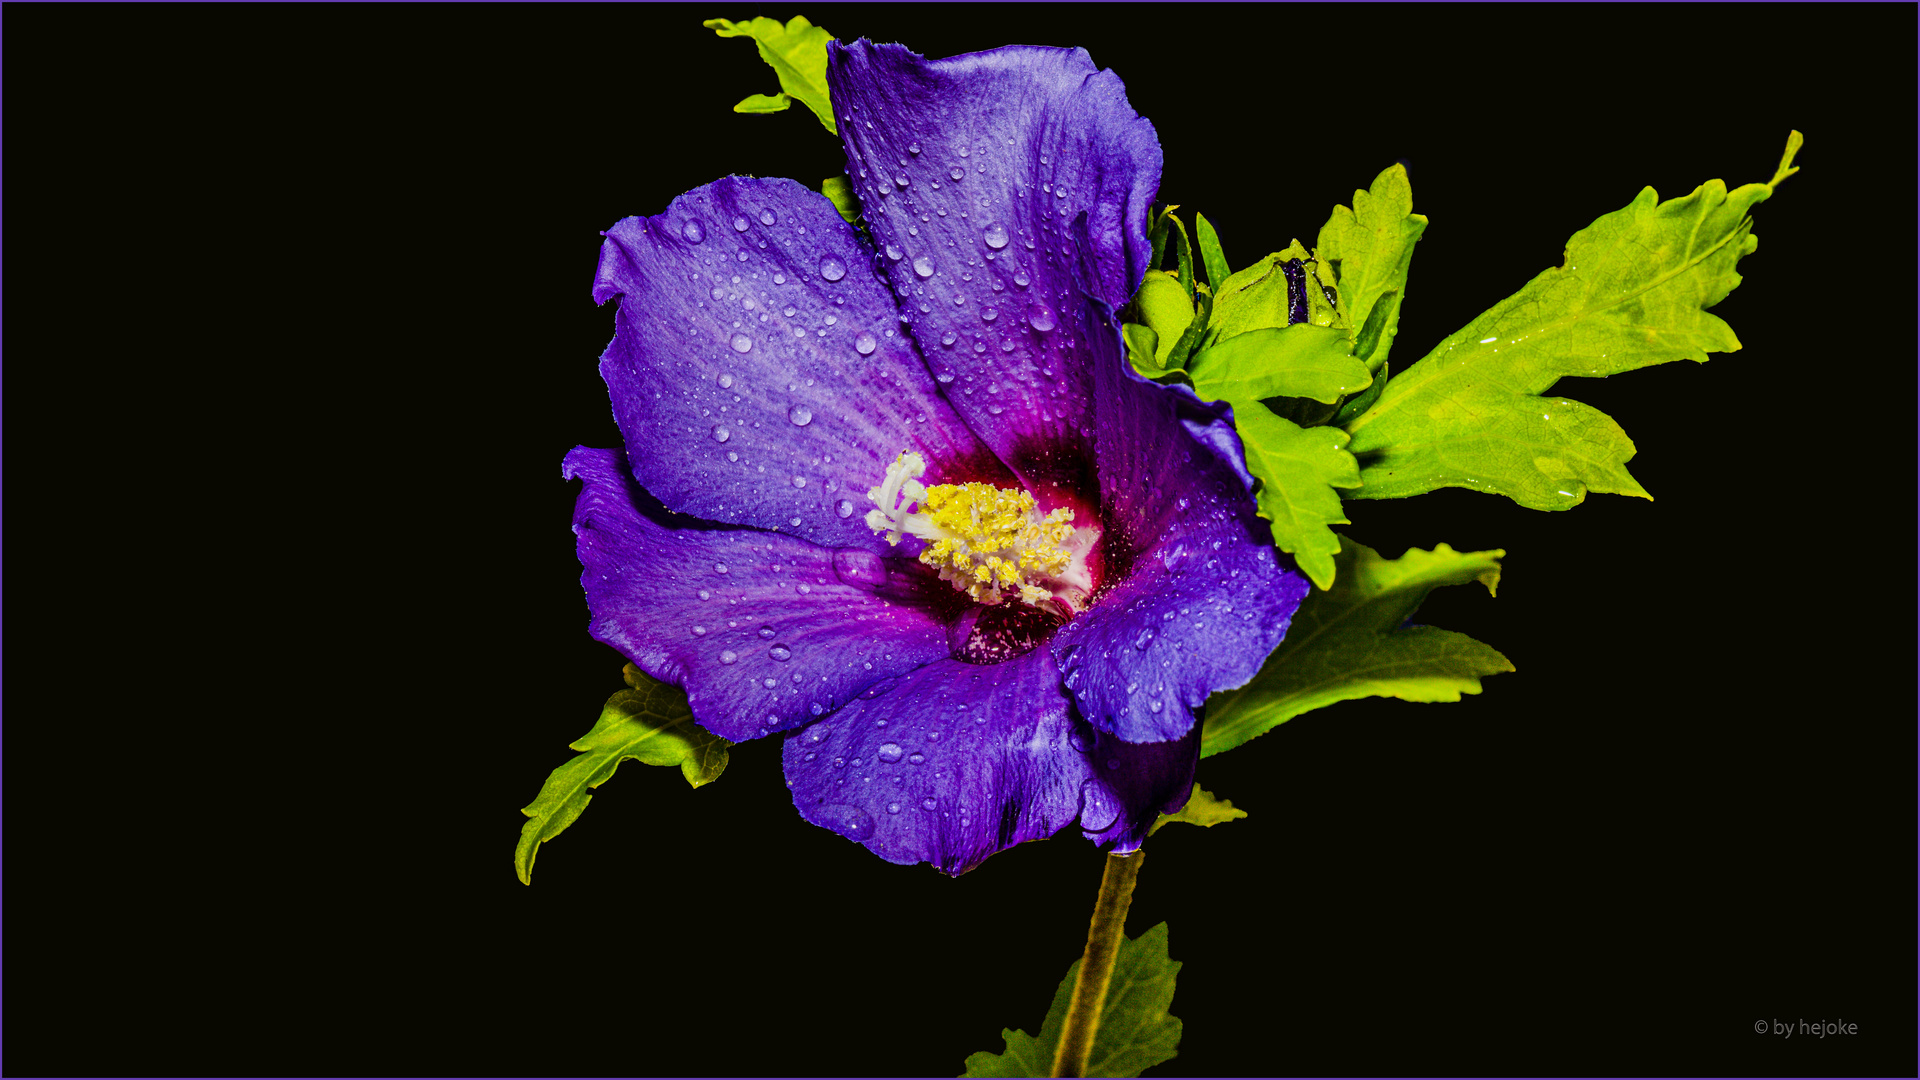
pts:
pixel 1352 641
pixel 1202 809
pixel 797 52
pixel 1183 253
pixel 1214 259
pixel 1258 297
pixel 1634 291
pixel 839 191
pixel 1157 236
pixel 1196 329
pixel 763 103
pixel 650 723
pixel 1168 309
pixel 1371 245
pixel 1302 360
pixel 1135 1032
pixel 1142 344
pixel 1299 468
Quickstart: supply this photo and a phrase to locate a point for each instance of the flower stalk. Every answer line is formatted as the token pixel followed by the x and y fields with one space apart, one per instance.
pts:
pixel 1107 930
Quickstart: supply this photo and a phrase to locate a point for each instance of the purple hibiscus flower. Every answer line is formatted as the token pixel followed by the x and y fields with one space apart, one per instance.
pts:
pixel 900 499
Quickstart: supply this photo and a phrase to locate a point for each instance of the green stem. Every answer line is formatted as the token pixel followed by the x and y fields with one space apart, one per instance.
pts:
pixel 1104 935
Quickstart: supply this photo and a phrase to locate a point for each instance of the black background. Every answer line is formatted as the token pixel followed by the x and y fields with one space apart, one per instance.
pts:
pixel 301 331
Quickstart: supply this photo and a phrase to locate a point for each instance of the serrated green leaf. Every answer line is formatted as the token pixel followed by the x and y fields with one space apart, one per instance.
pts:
pixel 1302 360
pixel 1167 309
pixel 1373 245
pixel 762 103
pixel 839 191
pixel 1142 344
pixel 649 723
pixel 797 52
pixel 1135 1031
pixel 1299 468
pixel 1202 809
pixel 1211 256
pixel 1634 291
pixel 1351 641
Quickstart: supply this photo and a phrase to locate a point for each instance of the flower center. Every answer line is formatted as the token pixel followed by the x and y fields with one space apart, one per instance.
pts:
pixel 990 543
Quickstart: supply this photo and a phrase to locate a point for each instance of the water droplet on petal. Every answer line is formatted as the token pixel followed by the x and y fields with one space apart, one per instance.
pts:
pixel 888 752
pixel 957 172
pixel 894 253
pixel 766 217
pixel 766 631
pixel 843 508
pixel 800 415
pixel 1145 639
pixel 893 808
pixel 780 653
pixel 726 382
pixel 742 343
pixel 913 148
pixel 720 433
pixel 949 338
pixel 996 236
pixel 767 683
pixel 1041 316
pixel 989 314
pixel 832 269
pixel 779 279
pixel 719 568
pixel 739 224
pixel 849 821
pixel 864 344
pixel 729 656
pixel 693 232
pixel 923 266
pixel 1020 278
pixel 918 759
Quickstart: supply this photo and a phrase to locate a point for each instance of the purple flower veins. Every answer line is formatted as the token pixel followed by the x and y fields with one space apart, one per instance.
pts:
pixel 901 501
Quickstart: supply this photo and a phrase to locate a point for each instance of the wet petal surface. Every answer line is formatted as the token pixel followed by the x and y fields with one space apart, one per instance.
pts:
pixel 766 632
pixel 971 172
pixel 759 374
pixel 946 765
pixel 1197 595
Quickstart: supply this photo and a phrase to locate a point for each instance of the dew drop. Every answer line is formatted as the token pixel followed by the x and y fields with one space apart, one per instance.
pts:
pixel 996 236
pixel 949 338
pixel 849 821
pixel 1041 316
pixel 956 172
pixel 799 482
pixel 720 433
pixel 864 344
pixel 1020 278
pixel 894 253
pixel 832 269
pixel 800 415
pixel 699 631
pixel 766 217
pixel 779 279
pixel 704 594
pixel 766 631
pixel 843 508
pixel 893 808
pixel 923 266
pixel 719 568
pixel 902 180
pixel 767 683
pixel 917 758
pixel 729 656
pixel 717 293
pixel 888 752
pixel 693 232
pixel 742 343
pixel 739 224
pixel 989 314
pixel 964 151
pixel 726 382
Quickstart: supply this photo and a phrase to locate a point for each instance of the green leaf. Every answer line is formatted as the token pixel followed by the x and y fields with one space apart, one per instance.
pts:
pixel 1260 297
pixel 1202 809
pixel 1299 468
pixel 1135 1031
pixel 839 190
pixel 1363 400
pixel 1196 328
pixel 1165 307
pixel 650 723
pixel 1634 291
pixel 797 52
pixel 1157 236
pixel 1214 259
pixel 761 103
pixel 1787 168
pixel 1351 641
pixel 1295 361
pixel 1142 344
pixel 1373 245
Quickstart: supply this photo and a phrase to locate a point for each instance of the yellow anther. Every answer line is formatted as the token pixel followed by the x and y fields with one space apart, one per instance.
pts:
pixel 985 540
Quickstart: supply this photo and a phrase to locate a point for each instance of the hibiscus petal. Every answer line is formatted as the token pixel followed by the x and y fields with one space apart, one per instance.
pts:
pixel 1137 782
pixel 948 764
pixel 758 370
pixel 970 172
pixel 766 632
pixel 1198 597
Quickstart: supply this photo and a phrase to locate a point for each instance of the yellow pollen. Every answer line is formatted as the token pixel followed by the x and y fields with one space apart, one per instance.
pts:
pixel 985 540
